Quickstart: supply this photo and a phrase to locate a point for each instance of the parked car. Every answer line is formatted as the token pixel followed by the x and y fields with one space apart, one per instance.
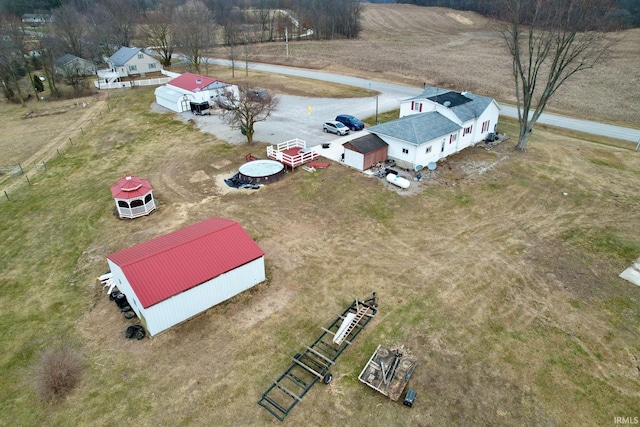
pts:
pixel 335 127
pixel 350 122
pixel 257 94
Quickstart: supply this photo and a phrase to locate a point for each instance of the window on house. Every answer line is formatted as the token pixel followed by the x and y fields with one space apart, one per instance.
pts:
pixel 454 137
pixel 428 149
pixel 152 65
pixel 133 68
pixel 485 126
pixel 417 106
pixel 140 56
pixel 405 151
pixel 467 131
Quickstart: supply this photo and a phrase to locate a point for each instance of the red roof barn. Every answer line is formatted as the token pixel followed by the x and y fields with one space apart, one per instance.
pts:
pixel 174 277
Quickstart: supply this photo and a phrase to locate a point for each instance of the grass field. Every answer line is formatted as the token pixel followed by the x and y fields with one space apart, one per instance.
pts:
pixel 500 274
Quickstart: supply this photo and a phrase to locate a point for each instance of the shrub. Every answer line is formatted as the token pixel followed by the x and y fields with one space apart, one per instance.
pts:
pixel 58 371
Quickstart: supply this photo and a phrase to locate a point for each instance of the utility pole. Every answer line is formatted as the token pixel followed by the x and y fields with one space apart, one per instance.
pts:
pixel 286 39
pixel 377 122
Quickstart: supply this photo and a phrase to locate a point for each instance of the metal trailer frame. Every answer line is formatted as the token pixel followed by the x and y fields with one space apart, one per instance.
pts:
pixel 314 362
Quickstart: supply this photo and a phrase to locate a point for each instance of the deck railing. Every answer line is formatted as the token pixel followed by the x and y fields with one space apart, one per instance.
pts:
pixel 303 156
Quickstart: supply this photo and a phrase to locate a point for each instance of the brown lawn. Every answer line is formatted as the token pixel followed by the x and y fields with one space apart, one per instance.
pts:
pixel 499 272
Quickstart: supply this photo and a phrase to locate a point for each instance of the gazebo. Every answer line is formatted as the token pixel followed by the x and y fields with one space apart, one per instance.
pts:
pixel 133 196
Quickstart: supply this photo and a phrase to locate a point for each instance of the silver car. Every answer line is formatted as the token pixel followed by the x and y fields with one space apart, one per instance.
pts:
pixel 335 127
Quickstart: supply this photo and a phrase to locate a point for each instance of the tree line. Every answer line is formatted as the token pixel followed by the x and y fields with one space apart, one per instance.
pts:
pixel 625 12
pixel 95 29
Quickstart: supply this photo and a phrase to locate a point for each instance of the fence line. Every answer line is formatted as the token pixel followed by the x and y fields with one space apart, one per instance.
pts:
pixel 119 85
pixel 8 172
pixel 15 170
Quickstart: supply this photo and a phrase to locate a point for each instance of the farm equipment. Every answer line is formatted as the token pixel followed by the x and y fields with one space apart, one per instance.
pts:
pixel 388 371
pixel 313 364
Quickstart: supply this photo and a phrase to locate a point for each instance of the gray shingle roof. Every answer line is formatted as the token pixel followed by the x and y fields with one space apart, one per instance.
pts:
pixel 123 54
pixel 417 128
pixel 366 144
pixel 464 110
pixel 65 59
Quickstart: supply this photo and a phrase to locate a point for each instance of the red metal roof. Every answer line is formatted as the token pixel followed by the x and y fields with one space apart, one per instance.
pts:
pixel 130 187
pixel 192 82
pixel 168 265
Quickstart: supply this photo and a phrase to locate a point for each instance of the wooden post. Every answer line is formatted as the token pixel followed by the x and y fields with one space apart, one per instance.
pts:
pixel 21 170
pixel 6 195
pixel 70 141
pixel 58 151
pixel 27 176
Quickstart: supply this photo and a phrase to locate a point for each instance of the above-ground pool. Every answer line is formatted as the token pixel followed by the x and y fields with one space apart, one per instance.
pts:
pixel 261 171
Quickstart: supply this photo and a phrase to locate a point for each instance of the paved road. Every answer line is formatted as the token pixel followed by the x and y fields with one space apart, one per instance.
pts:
pixel 389 98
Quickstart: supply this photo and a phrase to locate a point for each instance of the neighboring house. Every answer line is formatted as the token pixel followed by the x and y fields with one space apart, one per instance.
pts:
pixel 186 88
pixel 174 277
pixel 72 66
pixel 364 152
pixel 131 61
pixel 38 19
pixel 436 124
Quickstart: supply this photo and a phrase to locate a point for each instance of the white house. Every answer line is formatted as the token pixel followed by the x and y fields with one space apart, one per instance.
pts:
pixel 436 124
pixel 130 61
pixel 179 92
pixel 172 278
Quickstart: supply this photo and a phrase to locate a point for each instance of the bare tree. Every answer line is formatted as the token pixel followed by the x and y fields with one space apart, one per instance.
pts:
pixel 193 22
pixel 160 31
pixel 550 41
pixel 248 107
pixel 74 75
pixel 70 26
pixel 21 41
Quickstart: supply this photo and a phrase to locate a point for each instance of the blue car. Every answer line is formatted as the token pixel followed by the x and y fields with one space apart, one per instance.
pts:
pixel 351 122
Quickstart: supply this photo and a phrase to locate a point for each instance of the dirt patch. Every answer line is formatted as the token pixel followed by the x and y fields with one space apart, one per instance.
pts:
pixel 464 20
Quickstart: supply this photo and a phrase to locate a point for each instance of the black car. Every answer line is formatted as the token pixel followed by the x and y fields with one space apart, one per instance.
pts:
pixel 351 122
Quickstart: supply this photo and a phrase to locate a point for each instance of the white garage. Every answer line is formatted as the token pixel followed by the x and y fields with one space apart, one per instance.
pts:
pixel 187 87
pixel 172 278
pixel 172 99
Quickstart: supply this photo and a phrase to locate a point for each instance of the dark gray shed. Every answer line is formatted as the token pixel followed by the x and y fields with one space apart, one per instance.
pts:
pixel 364 152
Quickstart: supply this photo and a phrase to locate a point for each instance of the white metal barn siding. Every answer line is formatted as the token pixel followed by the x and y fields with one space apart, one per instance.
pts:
pixel 185 305
pixel 173 277
pixel 170 99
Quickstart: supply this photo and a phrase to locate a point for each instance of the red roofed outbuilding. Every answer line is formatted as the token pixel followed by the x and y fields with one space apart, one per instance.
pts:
pixel 180 91
pixel 133 196
pixel 174 277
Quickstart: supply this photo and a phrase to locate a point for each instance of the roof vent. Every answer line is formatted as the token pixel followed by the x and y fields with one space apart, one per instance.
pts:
pixel 447 103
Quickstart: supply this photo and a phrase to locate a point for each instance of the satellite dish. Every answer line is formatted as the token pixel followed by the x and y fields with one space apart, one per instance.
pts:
pixel 431 166
pixel 447 103
pixel 418 168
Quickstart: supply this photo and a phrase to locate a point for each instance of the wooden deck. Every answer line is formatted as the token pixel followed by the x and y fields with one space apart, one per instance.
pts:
pixel 292 153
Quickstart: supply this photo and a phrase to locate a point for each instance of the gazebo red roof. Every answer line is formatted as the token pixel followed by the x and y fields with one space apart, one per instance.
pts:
pixel 130 187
